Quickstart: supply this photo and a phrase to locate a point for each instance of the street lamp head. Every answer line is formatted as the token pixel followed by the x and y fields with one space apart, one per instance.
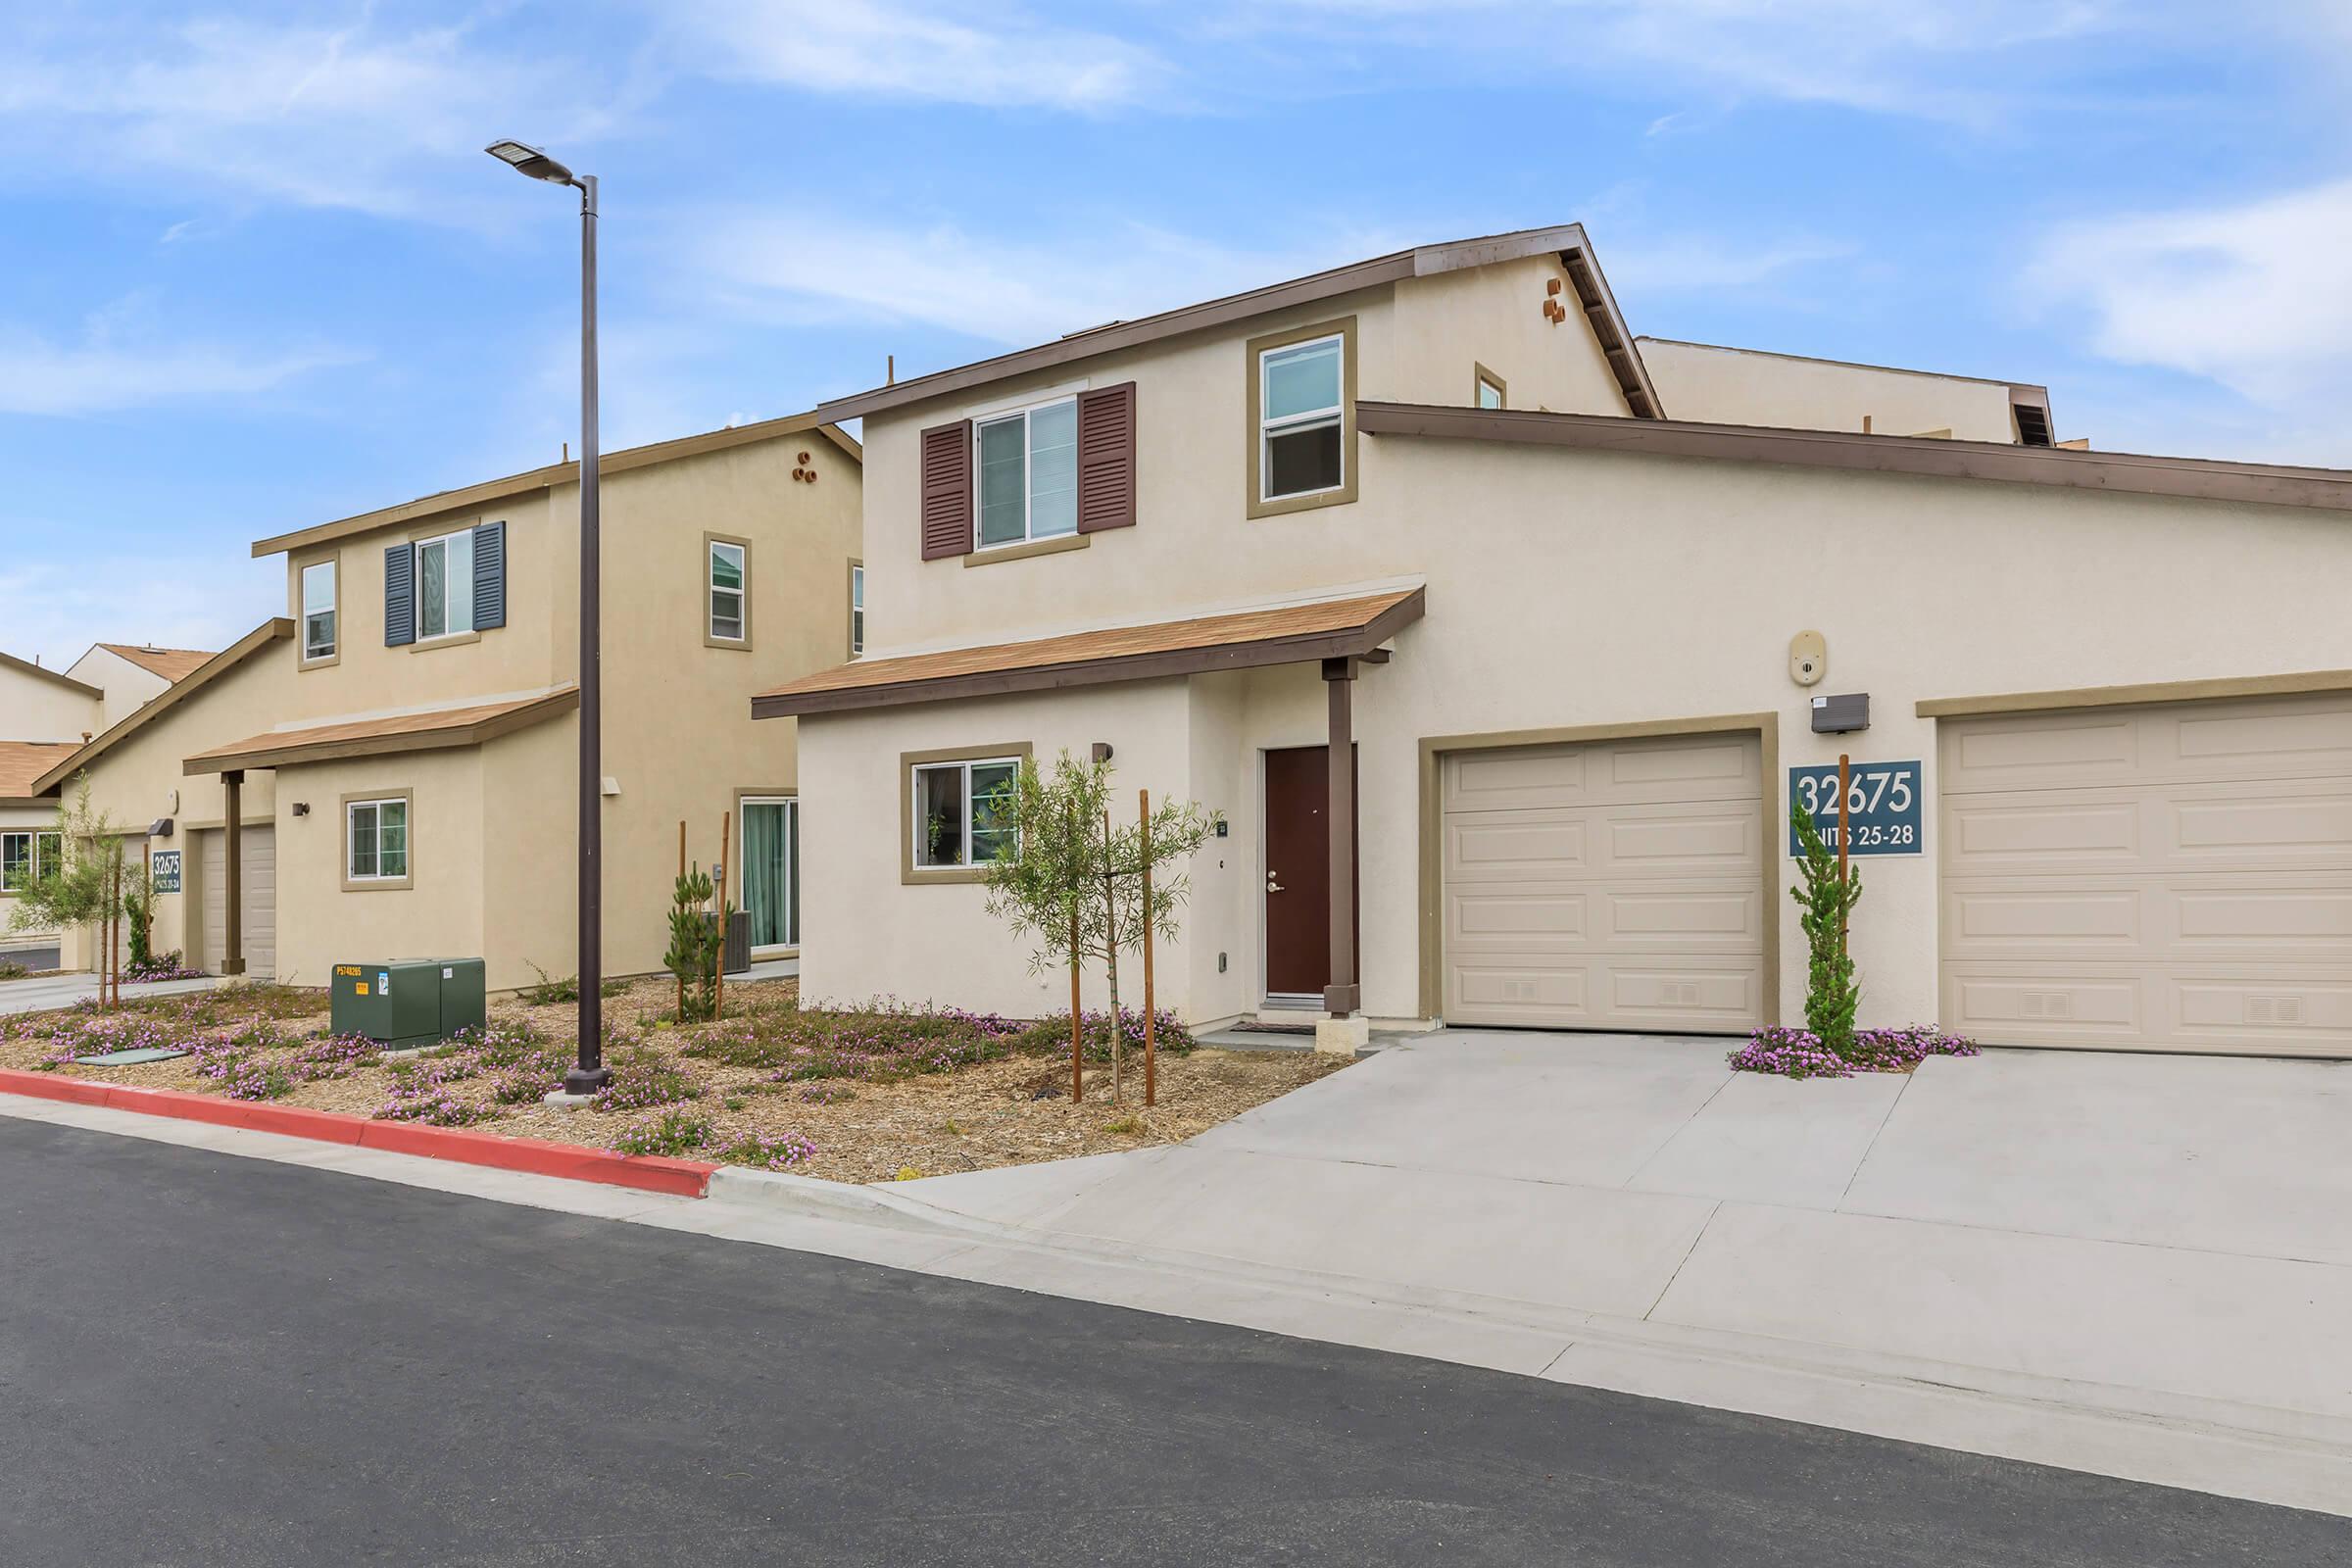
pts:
pixel 529 160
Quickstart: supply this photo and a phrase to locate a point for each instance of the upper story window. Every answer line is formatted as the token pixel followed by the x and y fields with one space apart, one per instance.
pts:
pixel 1493 391
pixel 445 585
pixel 727 565
pixel 439 589
pixel 1301 418
pixel 318 592
pixel 1300 421
pixel 857 609
pixel 1028 466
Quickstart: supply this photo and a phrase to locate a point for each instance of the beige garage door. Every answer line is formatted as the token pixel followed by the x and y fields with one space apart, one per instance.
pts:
pixel 1610 885
pixel 258 898
pixel 2169 877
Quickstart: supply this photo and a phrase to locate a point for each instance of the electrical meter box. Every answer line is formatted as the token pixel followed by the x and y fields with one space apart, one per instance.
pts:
pixel 408 1003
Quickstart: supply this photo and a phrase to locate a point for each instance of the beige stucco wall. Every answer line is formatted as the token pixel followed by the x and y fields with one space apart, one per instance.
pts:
pixel 1548 610
pixel 496 827
pixel 1415 342
pixel 1742 386
pixel 127 686
pixel 32 709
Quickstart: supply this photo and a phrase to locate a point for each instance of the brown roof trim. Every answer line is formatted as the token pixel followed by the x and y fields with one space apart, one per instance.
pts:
pixel 1566 240
pixel 44 672
pixel 2195 478
pixel 556 473
pixel 1057 663
pixel 427 732
pixel 277 629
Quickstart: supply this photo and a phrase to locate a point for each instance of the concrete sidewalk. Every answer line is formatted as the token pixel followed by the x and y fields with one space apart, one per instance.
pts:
pixel 44 992
pixel 2153 1238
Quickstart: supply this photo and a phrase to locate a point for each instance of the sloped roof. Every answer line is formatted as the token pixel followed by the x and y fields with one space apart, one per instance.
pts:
pixel 1567 241
pixel 26 666
pixel 437 729
pixel 175 664
pixel 276 630
pixel 1277 634
pixel 24 763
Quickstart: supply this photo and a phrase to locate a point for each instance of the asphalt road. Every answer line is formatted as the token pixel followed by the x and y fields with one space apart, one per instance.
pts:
pixel 213 1360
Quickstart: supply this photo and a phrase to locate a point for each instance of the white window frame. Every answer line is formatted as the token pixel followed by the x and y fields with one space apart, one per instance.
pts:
pixel 417 585
pixel 1270 427
pixel 407 840
pixel 711 590
pixel 792 870
pixel 1024 412
pixel 332 567
pixel 857 609
pixel 33 857
pixel 963 832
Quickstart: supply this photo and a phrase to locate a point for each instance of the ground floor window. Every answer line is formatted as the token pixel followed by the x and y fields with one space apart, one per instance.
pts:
pixel 377 840
pixel 959 818
pixel 771 870
pixel 28 857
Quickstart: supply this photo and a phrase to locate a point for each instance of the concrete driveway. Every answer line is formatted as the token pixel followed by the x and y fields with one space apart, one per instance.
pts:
pixel 2157 1238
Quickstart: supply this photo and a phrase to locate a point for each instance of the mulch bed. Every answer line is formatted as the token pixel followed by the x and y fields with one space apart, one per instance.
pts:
pixel 860 1095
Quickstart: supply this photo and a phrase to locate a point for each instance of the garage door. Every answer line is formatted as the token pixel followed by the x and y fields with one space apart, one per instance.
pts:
pixel 1611 885
pixel 257 849
pixel 2169 877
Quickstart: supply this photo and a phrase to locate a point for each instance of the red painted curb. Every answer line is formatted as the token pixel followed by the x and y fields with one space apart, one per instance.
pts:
pixel 650 1173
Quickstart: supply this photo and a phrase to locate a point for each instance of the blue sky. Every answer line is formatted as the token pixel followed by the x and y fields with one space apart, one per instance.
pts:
pixel 255 271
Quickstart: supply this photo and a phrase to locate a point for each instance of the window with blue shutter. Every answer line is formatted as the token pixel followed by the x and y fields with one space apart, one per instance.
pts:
pixel 489 576
pixel 400 595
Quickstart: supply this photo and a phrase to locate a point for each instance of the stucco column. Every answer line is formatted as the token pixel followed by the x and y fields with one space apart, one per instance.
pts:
pixel 1341 995
pixel 232 785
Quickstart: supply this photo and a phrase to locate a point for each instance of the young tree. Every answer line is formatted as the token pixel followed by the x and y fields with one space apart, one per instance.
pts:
pixel 1832 994
pixel 88 884
pixel 697 945
pixel 1074 881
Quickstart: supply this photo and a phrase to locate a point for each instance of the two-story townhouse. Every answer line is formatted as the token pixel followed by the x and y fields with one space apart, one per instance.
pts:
pixel 389 768
pixel 1503 673
pixel 45 716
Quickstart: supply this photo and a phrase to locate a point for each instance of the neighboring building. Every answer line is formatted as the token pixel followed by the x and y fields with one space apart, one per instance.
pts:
pixel 388 771
pixel 1440 506
pixel 46 714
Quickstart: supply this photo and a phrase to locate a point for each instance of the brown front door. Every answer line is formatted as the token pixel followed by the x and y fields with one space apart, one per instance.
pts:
pixel 1298 872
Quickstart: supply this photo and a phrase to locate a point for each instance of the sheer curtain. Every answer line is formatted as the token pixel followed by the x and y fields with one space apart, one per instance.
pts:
pixel 771 894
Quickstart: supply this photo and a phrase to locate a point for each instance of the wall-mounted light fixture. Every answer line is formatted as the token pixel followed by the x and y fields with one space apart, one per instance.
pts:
pixel 302 807
pixel 1101 750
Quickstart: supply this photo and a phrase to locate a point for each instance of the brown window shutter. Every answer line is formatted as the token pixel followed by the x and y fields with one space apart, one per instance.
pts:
pixel 1106 458
pixel 948 490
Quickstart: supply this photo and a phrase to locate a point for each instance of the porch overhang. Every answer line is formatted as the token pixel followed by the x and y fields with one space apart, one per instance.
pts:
pixel 438 729
pixel 1284 634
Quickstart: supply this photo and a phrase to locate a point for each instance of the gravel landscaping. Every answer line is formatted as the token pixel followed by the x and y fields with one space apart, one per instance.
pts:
pixel 861 1094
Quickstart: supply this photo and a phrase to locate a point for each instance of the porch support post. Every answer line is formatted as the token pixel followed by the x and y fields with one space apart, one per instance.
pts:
pixel 232 845
pixel 1341 997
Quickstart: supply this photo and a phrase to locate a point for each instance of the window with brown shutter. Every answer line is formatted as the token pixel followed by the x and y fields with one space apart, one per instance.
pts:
pixel 948 490
pixel 1106 458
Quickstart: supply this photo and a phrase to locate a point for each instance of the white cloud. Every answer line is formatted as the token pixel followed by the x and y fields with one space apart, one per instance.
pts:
pixel 992 55
pixel 2251 295
pixel 197 600
pixel 1686 264
pixel 1005 291
pixel 122 360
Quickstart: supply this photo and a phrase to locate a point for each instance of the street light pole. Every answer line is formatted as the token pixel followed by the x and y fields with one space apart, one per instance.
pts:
pixel 588 1074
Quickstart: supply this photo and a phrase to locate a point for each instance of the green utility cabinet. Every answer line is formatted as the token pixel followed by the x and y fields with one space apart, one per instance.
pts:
pixel 408 1002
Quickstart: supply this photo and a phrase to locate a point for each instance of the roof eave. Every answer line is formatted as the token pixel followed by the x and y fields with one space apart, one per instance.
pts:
pixel 455 737
pixel 276 630
pixel 2001 461
pixel 1345 642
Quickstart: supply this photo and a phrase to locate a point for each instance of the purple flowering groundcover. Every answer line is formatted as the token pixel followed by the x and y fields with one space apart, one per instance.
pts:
pixel 1799 1053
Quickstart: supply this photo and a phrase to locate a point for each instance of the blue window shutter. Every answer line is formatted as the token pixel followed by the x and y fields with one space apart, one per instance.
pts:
pixel 400 595
pixel 489 576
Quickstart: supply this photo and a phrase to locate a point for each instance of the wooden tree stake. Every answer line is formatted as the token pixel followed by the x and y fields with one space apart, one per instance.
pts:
pixel 718 985
pixel 1845 835
pixel 1151 1044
